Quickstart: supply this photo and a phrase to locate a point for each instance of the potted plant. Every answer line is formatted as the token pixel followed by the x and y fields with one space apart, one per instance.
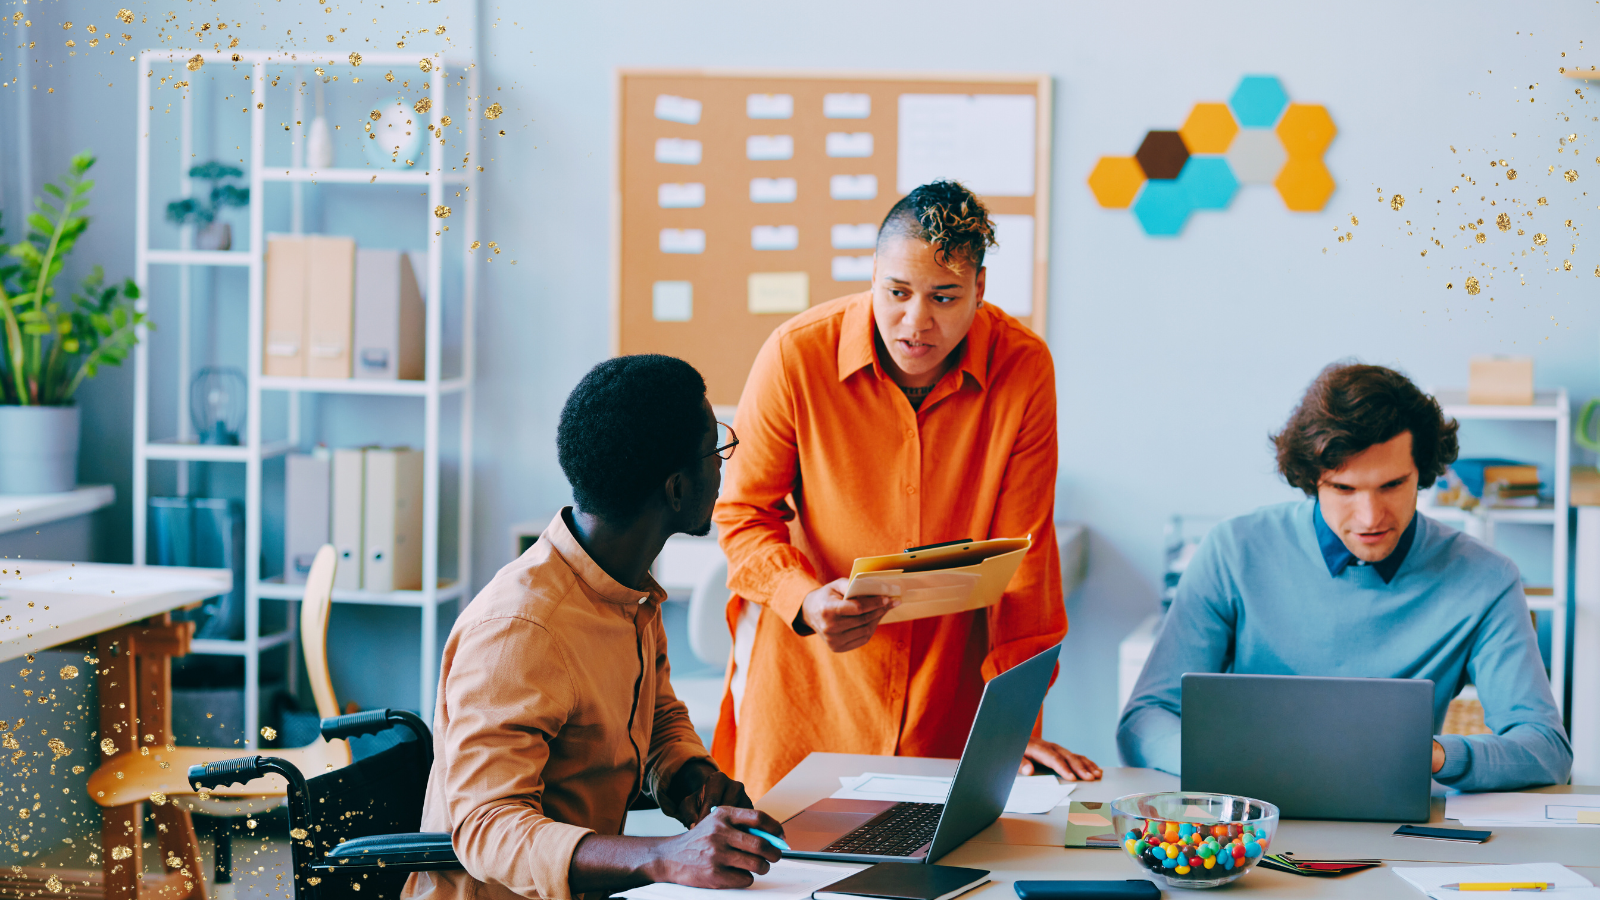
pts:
pixel 50 344
pixel 212 235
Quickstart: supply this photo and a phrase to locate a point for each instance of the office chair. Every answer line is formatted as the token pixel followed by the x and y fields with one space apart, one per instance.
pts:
pixel 354 831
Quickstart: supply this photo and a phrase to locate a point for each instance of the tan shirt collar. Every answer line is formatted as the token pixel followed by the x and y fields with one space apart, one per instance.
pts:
pixel 559 534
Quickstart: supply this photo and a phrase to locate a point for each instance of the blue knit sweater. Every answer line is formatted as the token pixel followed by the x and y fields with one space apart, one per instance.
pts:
pixel 1258 599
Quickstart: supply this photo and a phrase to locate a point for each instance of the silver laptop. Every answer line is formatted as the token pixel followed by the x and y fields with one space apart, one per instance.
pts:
pixel 1317 748
pixel 885 831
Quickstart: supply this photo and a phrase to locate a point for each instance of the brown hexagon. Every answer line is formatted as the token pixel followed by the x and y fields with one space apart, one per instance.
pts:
pixel 1162 155
pixel 1305 183
pixel 1306 129
pixel 1209 129
pixel 1116 181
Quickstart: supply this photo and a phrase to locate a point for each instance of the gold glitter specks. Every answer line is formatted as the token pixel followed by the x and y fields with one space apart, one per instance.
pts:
pixel 173 862
pixel 66 26
pixel 319 72
pixel 299 834
pixel 444 121
pixel 388 76
pixel 237 57
pixel 232 44
pixel 269 733
pixel 425 64
pixel 1448 285
pixel 1539 238
pixel 475 245
pixel 1570 174
pixel 1543 202
pixel 72 43
pixel 375 115
pixel 125 16
pixel 1503 221
pixel 439 30
pixel 59 748
pixel 493 111
pixel 78 770
pixel 1354 220
pixel 313 881
pixel 1566 264
pixel 108 746
pixel 1482 238
pixel 53 884
pixel 1511 174
pixel 121 852
pixel 355 59
pixel 1472 285
pixel 330 38
pixel 423 105
pixel 442 211
pixel 17 16
pixel 158 798
pixel 1396 202
pixel 251 824
pixel 195 62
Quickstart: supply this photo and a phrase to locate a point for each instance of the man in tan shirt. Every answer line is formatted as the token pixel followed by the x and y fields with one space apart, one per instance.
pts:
pixel 555 711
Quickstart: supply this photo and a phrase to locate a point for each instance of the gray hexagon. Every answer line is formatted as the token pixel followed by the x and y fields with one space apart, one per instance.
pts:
pixel 1257 155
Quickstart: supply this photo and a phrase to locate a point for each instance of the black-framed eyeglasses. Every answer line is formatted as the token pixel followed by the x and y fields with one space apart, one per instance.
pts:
pixel 726 441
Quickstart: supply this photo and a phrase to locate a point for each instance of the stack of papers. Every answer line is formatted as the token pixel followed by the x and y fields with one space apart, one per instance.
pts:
pixel 786 880
pixel 1522 810
pixel 1569 885
pixel 1031 795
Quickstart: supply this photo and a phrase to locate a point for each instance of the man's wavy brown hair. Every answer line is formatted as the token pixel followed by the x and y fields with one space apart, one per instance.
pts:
pixel 1350 407
pixel 948 216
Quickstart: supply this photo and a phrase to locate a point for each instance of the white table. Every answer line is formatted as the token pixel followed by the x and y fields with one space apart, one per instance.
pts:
pixel 53 525
pixel 1019 848
pixel 53 603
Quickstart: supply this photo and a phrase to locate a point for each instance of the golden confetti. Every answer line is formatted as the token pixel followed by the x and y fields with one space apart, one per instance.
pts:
pixel 108 746
pixel 23 813
pixel 269 733
pixel 173 862
pixel 313 881
pixel 423 105
pixel 1570 174
pixel 232 44
pixel 158 798
pixel 53 884
pixel 1543 202
pixel 355 59
pixel 1396 202
pixel 195 62
pixel 125 16
pixel 1567 265
pixel 72 43
pixel 319 71
pixel 330 38
pixel 59 748
pixel 493 111
pixel 439 30
pixel 374 115
pixel 388 76
pixel 1472 285
pixel 1482 237
pixel 1503 221
pixel 444 121
pixel 66 25
pixel 475 245
pixel 298 834
pixel 1448 285
pixel 1511 174
pixel 17 16
pixel 1424 253
pixel 442 211
pixel 425 64
pixel 121 852
pixel 1539 238
pixel 236 58
pixel 251 823
pixel 180 84
pixel 355 886
pixel 78 770
pixel 1354 221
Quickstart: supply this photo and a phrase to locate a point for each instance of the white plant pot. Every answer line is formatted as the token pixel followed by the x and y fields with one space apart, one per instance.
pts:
pixel 38 449
pixel 213 235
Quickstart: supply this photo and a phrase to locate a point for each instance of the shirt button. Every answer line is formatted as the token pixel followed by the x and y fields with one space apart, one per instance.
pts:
pixel 911 489
pixel 911 434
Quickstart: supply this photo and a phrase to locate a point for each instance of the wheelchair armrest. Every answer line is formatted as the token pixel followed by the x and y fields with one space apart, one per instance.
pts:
pixel 418 852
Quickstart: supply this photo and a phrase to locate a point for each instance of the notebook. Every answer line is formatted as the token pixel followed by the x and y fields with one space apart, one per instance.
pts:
pixel 904 881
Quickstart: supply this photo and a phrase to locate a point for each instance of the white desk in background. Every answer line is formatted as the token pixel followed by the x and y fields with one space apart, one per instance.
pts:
pixel 52 603
pixel 57 526
pixel 1018 847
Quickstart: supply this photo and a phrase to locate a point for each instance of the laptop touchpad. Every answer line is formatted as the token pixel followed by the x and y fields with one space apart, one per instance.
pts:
pixel 824 822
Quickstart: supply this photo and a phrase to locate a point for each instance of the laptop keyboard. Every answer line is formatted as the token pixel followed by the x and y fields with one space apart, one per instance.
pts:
pixel 906 827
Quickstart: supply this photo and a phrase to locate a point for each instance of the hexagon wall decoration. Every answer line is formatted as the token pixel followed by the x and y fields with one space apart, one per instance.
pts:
pixel 1257 137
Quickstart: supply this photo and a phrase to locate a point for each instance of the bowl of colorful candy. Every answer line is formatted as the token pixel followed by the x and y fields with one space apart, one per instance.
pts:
pixel 1194 840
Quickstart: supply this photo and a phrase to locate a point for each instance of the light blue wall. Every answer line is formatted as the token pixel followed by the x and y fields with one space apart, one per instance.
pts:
pixel 1175 357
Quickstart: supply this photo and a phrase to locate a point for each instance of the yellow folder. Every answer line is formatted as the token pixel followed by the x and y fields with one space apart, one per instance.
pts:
pixel 940 580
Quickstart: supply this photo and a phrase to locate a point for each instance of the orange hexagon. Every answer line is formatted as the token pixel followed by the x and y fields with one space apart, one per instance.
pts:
pixel 1209 129
pixel 1116 181
pixel 1305 184
pixel 1306 129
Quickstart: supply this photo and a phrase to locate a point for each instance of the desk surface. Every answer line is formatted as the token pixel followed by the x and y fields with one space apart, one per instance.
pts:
pixel 20 511
pixel 44 604
pixel 1019 848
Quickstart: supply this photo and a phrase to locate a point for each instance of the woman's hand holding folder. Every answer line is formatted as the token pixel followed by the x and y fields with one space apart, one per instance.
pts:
pixel 845 623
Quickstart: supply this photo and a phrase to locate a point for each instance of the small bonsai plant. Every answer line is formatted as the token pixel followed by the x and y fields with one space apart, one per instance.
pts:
pixel 49 347
pixel 213 235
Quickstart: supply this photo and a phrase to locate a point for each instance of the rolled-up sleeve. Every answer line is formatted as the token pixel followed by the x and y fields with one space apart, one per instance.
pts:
pixel 507 694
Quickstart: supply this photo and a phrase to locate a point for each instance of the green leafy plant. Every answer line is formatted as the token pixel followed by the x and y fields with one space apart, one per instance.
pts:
pixel 204 210
pixel 48 346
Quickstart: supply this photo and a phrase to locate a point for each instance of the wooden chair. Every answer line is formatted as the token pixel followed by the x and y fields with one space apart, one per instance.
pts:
pixel 143 766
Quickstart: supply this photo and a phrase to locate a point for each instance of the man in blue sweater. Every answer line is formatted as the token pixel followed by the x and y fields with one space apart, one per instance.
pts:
pixel 1353 582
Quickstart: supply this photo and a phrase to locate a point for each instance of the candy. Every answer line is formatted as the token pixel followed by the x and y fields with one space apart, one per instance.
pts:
pixel 1182 870
pixel 1193 852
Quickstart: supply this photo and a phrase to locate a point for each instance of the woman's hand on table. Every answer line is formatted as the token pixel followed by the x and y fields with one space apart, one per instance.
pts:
pixel 1047 756
pixel 844 623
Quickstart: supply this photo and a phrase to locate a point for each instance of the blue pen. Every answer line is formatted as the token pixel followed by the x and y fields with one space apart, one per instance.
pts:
pixel 772 839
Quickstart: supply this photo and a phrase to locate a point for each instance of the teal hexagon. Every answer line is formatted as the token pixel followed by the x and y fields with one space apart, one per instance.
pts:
pixel 1209 182
pixel 1258 101
pixel 1162 208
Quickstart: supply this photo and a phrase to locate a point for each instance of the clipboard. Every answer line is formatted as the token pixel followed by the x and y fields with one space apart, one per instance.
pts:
pixel 941 579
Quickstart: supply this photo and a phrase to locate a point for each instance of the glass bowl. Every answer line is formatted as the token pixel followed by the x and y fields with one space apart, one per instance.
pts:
pixel 1194 840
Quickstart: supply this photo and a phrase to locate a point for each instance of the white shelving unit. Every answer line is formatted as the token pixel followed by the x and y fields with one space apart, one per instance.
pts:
pixel 256 447
pixel 1550 407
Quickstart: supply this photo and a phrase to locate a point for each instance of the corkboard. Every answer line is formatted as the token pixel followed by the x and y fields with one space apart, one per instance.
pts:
pixel 721 336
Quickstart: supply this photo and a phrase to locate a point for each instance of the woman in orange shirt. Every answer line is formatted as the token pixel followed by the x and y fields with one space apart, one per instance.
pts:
pixel 909 415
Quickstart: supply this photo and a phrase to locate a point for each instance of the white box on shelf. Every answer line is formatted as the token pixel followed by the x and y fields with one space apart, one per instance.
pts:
pixel 307 479
pixel 389 316
pixel 391 522
pixel 348 494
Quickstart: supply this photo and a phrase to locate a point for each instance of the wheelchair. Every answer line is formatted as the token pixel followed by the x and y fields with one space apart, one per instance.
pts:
pixel 354 830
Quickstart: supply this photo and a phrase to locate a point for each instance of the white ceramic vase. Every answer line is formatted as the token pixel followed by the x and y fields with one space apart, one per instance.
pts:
pixel 399 132
pixel 38 449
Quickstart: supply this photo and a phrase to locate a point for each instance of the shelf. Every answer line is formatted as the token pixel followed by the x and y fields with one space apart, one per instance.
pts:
pixel 359 386
pixel 360 176
pixel 20 511
pixel 212 647
pixel 212 452
pixel 1547 405
pixel 200 257
pixel 448 590
pixel 296 57
pixel 1535 515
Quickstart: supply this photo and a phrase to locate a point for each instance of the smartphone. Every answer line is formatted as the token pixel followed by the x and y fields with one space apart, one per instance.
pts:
pixel 1132 889
pixel 1443 834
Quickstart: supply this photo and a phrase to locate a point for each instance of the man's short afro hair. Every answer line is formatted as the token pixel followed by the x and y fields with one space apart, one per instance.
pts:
pixel 630 423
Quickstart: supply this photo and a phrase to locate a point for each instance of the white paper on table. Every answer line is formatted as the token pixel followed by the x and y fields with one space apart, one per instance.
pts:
pixel 985 141
pixel 846 106
pixel 681 196
pixel 677 109
pixel 854 237
pixel 849 144
pixel 678 151
pixel 1030 795
pixel 769 146
pixel 786 880
pixel 1430 880
pixel 1525 810
pixel 130 582
pixel 769 106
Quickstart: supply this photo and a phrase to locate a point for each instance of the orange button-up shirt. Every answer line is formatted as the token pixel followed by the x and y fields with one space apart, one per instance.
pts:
pixel 833 464
pixel 554 712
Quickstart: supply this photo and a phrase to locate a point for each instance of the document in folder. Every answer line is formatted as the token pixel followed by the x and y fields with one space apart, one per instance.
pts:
pixel 938 581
